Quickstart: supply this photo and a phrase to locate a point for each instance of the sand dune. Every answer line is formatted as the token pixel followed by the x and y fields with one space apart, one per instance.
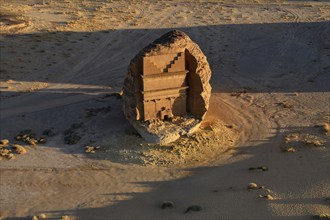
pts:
pixel 63 64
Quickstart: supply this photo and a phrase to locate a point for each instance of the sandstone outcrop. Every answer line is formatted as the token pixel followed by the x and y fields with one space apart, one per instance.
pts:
pixel 167 84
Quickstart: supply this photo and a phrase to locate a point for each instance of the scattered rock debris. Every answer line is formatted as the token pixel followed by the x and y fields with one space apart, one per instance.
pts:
pixel 252 186
pixel 19 149
pixel 11 156
pixel 294 140
pixel 268 196
pixel 291 138
pixel 194 208
pixel 28 137
pixel 41 216
pixel 91 149
pixel 268 190
pixel 288 149
pixel 66 217
pixel 323 216
pixel 10 150
pixel 4 142
pixel 326 127
pixel 4 153
pixel 315 142
pixel 285 105
pixel 191 149
pixel 167 204
pixel 261 168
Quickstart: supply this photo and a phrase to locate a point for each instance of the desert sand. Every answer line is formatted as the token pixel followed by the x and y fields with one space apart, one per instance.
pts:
pixel 63 65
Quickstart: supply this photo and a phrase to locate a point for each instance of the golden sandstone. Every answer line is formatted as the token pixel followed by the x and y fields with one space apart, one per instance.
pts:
pixel 167 81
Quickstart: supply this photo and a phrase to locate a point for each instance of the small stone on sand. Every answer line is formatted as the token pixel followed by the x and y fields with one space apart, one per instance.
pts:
pixel 288 149
pixel 269 197
pixel 316 143
pixel 42 216
pixel 263 168
pixel 326 127
pixel 252 186
pixel 5 152
pixel 11 156
pixel 91 149
pixel 42 140
pixel 4 142
pixel 32 142
pixel 19 149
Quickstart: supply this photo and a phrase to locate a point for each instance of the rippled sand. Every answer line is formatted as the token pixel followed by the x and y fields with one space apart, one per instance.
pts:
pixel 62 67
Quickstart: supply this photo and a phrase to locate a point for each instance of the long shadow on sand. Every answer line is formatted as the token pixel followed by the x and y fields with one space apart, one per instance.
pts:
pixel 83 70
pixel 217 188
pixel 255 58
pixel 260 57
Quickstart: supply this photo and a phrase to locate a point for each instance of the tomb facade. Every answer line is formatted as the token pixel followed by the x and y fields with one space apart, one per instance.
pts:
pixel 164 86
pixel 167 79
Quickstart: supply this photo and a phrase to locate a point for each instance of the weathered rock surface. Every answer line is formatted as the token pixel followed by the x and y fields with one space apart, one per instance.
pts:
pixel 167 79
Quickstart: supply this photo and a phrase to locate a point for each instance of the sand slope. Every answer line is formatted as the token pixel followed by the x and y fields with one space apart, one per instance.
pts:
pixel 63 64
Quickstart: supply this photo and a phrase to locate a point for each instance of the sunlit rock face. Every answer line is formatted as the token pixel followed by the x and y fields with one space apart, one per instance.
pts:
pixel 167 83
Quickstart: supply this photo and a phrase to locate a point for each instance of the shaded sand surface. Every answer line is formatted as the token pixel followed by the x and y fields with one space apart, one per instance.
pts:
pixel 63 64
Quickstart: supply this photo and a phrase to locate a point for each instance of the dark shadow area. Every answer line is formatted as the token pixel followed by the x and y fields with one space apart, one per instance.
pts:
pixel 216 190
pixel 276 57
pixel 90 66
pixel 256 58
